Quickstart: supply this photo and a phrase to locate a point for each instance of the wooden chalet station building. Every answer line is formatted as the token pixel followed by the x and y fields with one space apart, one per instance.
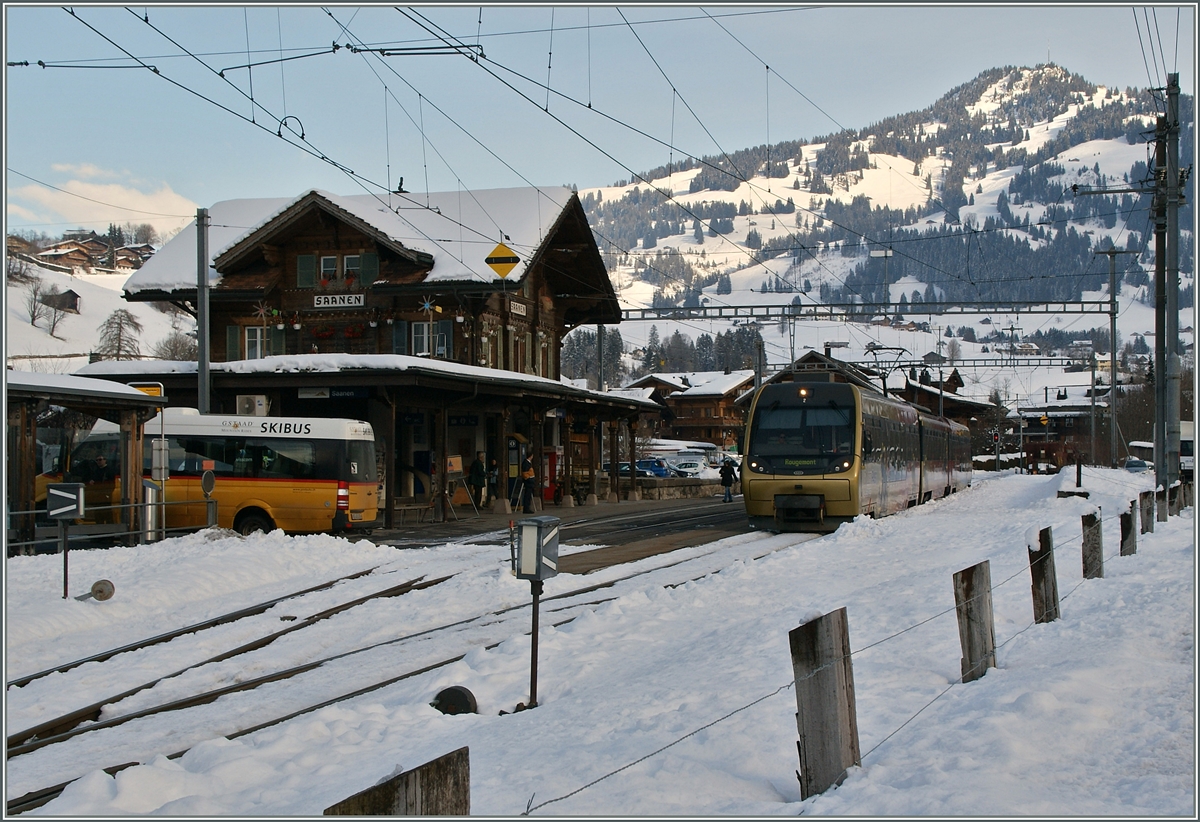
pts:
pixel 437 318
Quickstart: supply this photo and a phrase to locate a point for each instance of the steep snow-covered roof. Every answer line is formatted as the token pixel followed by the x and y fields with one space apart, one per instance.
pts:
pixel 698 383
pixel 458 228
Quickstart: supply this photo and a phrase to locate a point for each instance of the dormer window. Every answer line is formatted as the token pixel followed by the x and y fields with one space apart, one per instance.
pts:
pixel 312 269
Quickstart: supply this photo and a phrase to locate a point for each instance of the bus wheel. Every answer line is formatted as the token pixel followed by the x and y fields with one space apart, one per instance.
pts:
pixel 254 521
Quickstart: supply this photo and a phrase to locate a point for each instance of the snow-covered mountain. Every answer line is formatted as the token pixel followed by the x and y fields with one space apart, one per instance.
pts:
pixel 970 199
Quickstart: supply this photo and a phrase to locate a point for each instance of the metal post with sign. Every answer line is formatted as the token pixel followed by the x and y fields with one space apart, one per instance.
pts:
pixel 64 502
pixel 537 560
pixel 160 470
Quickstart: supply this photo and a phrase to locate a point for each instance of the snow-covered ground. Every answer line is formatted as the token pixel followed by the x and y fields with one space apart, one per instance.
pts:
pixel 663 699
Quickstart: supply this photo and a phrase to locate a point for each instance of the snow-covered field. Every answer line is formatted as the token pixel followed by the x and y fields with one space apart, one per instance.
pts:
pixel 664 699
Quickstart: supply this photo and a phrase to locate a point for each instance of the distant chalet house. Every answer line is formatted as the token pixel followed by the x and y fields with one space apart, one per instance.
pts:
pixel 942 396
pixel 15 245
pixel 67 301
pixel 72 255
pixel 701 404
pixel 1067 430
pixel 445 312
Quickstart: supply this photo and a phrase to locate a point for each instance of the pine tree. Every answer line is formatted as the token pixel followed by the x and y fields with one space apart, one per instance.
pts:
pixel 118 336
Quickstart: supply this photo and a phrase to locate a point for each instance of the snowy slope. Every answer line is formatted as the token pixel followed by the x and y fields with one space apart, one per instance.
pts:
pixel 31 348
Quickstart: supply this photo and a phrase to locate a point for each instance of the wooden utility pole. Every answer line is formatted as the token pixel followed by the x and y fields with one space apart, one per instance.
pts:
pixel 1113 459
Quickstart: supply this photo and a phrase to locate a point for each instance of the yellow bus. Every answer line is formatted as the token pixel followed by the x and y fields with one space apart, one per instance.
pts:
pixel 298 474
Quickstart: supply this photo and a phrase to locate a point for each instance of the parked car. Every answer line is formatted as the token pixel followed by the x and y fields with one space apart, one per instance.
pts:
pixel 656 466
pixel 1137 466
pixel 690 467
pixel 623 470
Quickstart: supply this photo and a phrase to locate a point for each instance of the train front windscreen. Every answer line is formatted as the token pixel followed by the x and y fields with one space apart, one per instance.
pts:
pixel 803 430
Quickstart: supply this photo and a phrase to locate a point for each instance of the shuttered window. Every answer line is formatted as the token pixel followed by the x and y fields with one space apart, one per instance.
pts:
pixel 370 267
pixel 400 337
pixel 306 271
pixel 233 343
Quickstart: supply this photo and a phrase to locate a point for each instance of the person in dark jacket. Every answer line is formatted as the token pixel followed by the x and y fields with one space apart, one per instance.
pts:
pixel 527 482
pixel 493 482
pixel 728 475
pixel 477 479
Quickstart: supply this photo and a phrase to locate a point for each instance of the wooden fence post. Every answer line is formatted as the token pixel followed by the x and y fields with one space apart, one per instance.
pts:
pixel 826 716
pixel 1146 506
pixel 976 629
pixel 1045 580
pixel 438 788
pixel 1093 547
pixel 1128 532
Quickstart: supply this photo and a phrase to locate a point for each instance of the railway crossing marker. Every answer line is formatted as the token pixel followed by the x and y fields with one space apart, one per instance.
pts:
pixel 536 560
pixel 64 502
pixel 502 260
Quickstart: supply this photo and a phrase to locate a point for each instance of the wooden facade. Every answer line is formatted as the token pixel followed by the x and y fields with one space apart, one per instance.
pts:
pixel 318 279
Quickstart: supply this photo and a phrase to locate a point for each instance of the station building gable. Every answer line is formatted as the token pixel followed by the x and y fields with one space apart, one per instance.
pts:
pixel 328 274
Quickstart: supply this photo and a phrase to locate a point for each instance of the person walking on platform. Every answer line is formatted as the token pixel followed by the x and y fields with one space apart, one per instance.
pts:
pixel 526 485
pixel 728 473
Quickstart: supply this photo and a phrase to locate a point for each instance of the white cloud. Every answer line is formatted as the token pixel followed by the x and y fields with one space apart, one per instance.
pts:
pixel 95 205
pixel 86 170
pixel 20 212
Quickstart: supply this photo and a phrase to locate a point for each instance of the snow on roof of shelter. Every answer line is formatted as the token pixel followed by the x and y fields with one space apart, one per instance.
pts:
pixel 334 363
pixel 459 229
pixel 33 382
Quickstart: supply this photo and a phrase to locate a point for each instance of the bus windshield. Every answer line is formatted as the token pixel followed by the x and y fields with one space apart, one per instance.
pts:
pixel 802 439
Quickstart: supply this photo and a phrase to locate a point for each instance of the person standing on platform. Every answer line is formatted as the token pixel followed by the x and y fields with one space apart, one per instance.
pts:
pixel 526 485
pixel 477 479
pixel 728 473
pixel 493 482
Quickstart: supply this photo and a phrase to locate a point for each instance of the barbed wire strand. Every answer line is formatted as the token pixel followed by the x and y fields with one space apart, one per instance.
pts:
pixel 1043 556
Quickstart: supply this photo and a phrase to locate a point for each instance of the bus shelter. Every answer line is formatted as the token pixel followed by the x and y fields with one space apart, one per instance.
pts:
pixel 47 414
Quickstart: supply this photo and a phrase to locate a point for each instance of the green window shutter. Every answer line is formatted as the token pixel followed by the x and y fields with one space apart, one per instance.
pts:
pixel 306 271
pixel 444 329
pixel 400 337
pixel 278 345
pixel 233 343
pixel 369 267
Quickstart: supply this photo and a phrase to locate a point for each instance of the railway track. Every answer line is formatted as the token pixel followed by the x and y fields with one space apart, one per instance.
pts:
pixel 420 652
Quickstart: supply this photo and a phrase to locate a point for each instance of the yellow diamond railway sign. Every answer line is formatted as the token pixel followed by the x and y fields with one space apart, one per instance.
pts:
pixel 502 260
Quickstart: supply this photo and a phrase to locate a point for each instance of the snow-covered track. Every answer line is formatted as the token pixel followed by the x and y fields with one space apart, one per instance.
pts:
pixel 454 641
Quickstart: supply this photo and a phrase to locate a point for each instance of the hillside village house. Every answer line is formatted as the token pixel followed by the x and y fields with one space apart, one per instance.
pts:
pixel 701 406
pixel 438 318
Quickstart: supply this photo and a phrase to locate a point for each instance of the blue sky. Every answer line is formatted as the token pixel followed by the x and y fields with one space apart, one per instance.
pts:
pixel 131 145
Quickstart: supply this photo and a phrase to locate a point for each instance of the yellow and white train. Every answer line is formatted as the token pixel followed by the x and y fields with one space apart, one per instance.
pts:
pixel 817 454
